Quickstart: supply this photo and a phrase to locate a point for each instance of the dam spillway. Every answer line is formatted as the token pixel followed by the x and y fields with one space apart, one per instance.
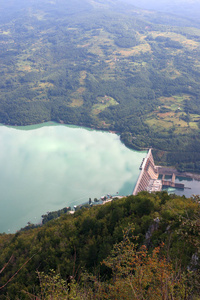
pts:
pixel 149 174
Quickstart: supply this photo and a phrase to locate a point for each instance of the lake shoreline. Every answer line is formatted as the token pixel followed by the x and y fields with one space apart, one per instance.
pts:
pixel 131 146
pixel 189 175
pixel 51 166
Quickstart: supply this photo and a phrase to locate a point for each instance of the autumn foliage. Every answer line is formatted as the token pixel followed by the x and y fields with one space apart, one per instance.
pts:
pixel 138 274
pixel 140 247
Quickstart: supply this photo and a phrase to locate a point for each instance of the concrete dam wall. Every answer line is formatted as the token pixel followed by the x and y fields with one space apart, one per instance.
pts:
pixel 148 178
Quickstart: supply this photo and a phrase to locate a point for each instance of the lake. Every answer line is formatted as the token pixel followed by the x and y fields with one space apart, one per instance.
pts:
pixel 192 186
pixel 50 166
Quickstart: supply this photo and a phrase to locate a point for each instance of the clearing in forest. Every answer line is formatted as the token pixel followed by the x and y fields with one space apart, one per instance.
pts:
pixel 170 114
pixel 103 103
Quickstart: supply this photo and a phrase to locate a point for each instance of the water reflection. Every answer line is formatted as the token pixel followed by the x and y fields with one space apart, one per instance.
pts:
pixel 192 187
pixel 48 167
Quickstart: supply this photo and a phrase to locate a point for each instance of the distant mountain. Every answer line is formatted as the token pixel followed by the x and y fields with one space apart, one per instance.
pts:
pixel 185 8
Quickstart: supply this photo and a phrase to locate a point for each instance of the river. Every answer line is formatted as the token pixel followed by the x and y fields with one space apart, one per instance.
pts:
pixel 50 166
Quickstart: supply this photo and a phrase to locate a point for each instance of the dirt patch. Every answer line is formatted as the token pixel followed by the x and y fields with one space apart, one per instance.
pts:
pixel 136 50
pixel 80 90
pixel 76 102
pixel 76 97
pixel 84 46
pixel 164 115
pixel 83 75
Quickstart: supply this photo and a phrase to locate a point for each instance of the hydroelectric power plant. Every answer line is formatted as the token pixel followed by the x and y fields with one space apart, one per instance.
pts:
pixel 152 177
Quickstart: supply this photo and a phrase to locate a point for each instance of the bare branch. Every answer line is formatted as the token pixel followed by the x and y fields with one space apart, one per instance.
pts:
pixel 6 264
pixel 16 272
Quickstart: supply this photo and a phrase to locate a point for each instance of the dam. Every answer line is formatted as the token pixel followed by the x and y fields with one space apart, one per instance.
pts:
pixel 149 176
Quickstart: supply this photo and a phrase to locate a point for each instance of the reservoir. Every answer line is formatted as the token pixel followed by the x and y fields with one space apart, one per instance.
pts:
pixel 192 187
pixel 50 166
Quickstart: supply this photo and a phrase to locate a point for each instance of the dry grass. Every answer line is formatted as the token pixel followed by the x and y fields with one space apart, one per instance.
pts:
pixel 83 75
pixel 165 115
pixel 175 101
pixel 161 121
pixel 171 71
pixel 76 97
pixel 193 125
pixel 72 28
pixel 164 121
pixel 103 103
pixel 159 125
pixel 26 68
pixel 94 46
pixel 177 37
pixel 46 85
pixel 76 102
pixel 39 15
pixel 135 50
pixel 84 46
pixel 6 32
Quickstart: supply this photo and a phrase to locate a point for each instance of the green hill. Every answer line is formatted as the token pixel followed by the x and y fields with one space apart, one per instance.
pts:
pixel 77 244
pixel 104 64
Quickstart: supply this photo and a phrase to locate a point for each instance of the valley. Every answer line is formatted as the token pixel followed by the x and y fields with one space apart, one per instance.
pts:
pixel 87 87
pixel 63 67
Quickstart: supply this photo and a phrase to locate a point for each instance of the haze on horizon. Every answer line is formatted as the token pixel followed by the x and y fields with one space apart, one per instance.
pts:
pixel 186 8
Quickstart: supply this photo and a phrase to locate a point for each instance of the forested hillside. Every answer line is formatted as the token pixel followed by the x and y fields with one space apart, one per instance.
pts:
pixel 160 230
pixel 104 64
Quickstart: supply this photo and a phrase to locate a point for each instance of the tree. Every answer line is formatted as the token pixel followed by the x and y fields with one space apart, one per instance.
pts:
pixel 138 274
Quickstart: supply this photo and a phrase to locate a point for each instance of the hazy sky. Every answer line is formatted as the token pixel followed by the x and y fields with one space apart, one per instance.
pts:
pixel 166 4
pixel 176 6
pixel 160 3
pixel 184 8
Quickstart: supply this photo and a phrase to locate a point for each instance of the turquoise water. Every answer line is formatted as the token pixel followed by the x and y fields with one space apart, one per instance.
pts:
pixel 47 167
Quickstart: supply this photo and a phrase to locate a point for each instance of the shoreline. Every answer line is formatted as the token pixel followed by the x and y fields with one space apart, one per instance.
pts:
pixel 172 170
pixel 187 174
